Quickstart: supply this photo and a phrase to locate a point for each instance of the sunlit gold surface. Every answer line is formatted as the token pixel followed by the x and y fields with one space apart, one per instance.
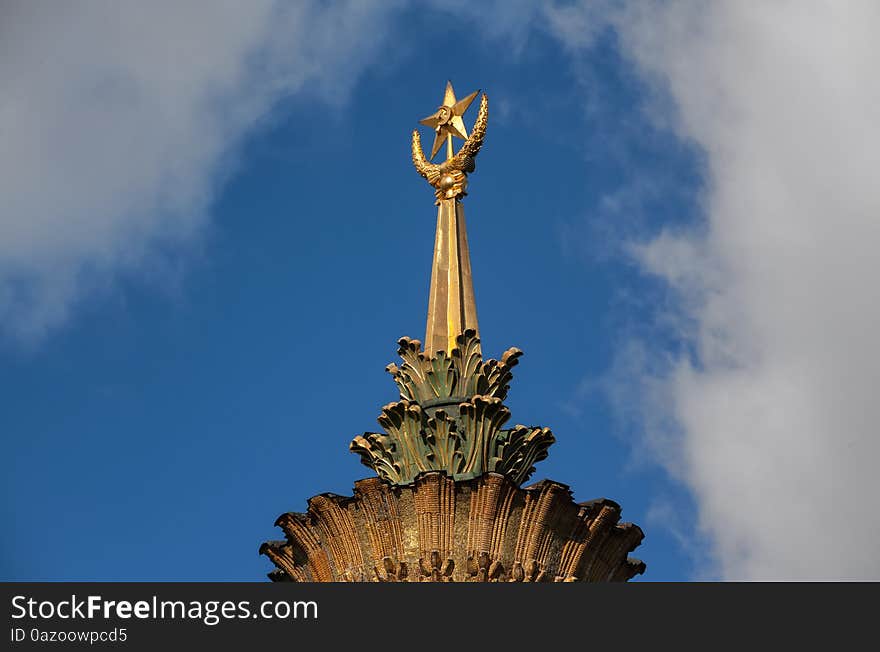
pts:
pixel 457 166
pixel 451 305
pixel 446 121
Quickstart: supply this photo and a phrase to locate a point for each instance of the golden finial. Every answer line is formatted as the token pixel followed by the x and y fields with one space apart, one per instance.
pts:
pixel 452 310
pixel 449 178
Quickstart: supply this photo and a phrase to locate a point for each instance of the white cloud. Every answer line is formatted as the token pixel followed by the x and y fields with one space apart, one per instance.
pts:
pixel 776 415
pixel 117 120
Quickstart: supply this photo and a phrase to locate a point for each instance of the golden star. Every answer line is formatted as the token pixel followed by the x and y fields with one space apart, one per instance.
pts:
pixel 447 122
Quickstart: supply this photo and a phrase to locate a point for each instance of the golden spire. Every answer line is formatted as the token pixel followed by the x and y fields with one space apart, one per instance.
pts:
pixel 451 306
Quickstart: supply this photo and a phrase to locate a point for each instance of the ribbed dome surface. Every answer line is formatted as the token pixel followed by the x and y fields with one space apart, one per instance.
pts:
pixel 438 529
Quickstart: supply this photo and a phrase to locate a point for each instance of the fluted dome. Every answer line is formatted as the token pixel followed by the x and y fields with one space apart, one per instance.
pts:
pixel 440 530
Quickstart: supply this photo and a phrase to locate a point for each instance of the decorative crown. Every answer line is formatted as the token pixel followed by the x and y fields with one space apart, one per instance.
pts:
pixel 450 417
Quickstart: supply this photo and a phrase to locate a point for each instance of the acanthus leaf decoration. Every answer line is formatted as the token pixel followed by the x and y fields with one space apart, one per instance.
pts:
pixel 450 417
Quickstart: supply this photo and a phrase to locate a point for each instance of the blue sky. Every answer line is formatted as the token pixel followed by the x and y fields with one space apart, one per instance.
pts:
pixel 171 388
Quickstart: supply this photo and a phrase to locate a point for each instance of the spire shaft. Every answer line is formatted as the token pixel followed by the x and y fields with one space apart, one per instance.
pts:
pixel 451 305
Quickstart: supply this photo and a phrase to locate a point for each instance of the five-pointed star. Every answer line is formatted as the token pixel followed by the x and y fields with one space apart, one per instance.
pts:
pixel 447 120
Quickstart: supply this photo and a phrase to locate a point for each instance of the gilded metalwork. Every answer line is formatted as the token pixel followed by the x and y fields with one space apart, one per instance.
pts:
pixel 447 122
pixel 452 308
pixel 446 503
pixel 449 179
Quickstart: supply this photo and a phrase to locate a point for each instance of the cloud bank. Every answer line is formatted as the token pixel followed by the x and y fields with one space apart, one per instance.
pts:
pixel 118 121
pixel 772 421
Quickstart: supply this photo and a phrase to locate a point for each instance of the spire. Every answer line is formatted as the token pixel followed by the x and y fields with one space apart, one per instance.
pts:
pixel 448 501
pixel 451 306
